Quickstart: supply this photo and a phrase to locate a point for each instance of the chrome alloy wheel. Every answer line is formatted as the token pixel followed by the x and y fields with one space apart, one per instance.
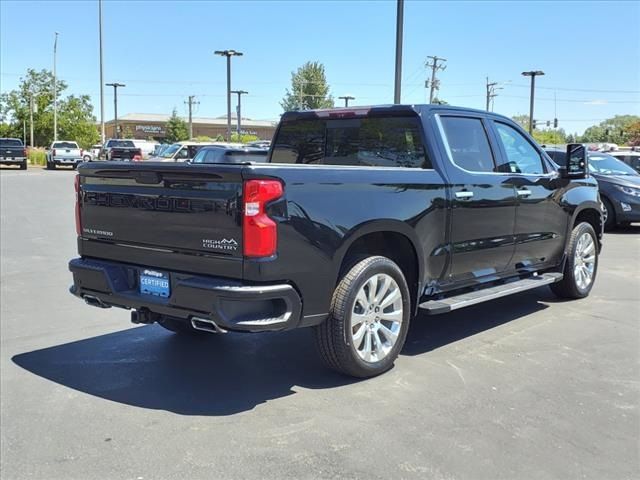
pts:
pixel 584 264
pixel 376 317
pixel 605 212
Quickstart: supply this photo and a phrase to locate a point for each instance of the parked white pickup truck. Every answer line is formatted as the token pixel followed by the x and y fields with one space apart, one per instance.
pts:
pixel 64 152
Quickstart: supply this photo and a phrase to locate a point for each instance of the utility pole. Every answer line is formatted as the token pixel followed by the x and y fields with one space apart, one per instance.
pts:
pixel 435 83
pixel 191 102
pixel 239 108
pixel 533 74
pixel 102 132
pixel 24 132
pixel 228 54
pixel 31 108
pixel 346 99
pixel 491 93
pixel 115 104
pixel 399 27
pixel 55 88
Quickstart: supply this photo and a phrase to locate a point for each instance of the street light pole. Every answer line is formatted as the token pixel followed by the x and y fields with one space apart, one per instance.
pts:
pixel 399 26
pixel 228 54
pixel 346 99
pixel 102 133
pixel 115 104
pixel 55 88
pixel 239 108
pixel 533 74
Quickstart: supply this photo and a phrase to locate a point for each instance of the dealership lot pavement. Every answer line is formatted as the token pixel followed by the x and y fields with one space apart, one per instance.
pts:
pixel 525 387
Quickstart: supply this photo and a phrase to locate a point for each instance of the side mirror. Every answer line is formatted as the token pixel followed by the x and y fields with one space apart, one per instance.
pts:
pixel 577 161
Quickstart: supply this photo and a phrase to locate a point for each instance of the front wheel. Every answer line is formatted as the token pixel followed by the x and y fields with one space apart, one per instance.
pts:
pixel 368 321
pixel 581 265
pixel 23 165
pixel 608 215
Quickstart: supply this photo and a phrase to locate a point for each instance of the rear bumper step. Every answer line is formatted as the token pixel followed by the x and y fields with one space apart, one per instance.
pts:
pixel 209 303
pixel 435 307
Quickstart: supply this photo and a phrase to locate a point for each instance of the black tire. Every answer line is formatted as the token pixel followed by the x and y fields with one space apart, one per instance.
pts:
pixel 334 335
pixel 610 222
pixel 23 165
pixel 180 326
pixel 569 286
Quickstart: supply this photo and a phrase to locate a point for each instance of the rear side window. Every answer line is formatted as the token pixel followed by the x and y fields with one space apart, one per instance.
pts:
pixel 370 141
pixel 10 142
pixel 468 143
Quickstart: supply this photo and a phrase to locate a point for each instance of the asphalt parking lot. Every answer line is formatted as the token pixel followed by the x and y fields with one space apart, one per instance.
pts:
pixel 525 387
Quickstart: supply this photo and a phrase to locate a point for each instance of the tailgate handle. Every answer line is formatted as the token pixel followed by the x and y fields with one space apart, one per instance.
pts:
pixel 147 177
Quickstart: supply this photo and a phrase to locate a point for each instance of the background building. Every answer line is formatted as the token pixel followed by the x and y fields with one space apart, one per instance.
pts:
pixel 153 126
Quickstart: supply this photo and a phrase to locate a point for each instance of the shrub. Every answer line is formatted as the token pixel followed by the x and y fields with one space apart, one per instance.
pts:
pixel 37 156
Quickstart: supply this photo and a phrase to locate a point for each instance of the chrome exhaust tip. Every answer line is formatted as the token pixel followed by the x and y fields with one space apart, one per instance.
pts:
pixel 206 325
pixel 94 301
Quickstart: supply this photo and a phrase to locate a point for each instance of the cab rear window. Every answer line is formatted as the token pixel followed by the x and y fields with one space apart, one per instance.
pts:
pixel 369 141
pixel 10 142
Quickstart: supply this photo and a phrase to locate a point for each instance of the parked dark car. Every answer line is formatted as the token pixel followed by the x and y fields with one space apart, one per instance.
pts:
pixel 219 154
pixel 13 152
pixel 619 186
pixel 360 218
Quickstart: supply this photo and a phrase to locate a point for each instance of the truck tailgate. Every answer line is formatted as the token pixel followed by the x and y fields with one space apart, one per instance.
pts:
pixel 175 208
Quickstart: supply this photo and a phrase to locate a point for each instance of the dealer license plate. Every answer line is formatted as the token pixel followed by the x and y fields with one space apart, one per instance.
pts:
pixel 154 283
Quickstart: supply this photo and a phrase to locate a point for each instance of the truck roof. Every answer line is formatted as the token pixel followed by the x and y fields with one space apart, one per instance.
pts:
pixel 401 109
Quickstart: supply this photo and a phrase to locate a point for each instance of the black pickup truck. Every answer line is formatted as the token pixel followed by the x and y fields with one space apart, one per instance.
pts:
pixel 13 152
pixel 361 218
pixel 120 150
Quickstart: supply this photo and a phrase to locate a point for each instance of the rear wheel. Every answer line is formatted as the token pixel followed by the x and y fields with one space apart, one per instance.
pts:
pixel 23 165
pixel 180 326
pixel 581 265
pixel 368 321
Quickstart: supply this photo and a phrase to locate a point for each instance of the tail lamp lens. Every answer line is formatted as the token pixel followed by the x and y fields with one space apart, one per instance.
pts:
pixel 78 193
pixel 260 232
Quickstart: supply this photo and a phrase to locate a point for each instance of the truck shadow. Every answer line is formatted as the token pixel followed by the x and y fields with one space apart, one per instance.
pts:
pixel 625 230
pixel 150 368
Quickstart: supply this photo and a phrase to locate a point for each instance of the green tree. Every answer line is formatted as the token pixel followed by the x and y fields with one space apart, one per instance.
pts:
pixel 309 89
pixel 550 137
pixel 633 132
pixel 126 132
pixel 243 138
pixel 177 129
pixel 614 130
pixel 75 114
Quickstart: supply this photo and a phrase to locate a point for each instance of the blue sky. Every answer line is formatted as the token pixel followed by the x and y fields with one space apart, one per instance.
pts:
pixel 163 51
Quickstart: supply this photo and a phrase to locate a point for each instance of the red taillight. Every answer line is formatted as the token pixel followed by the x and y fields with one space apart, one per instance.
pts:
pixel 260 233
pixel 24 151
pixel 137 158
pixel 78 193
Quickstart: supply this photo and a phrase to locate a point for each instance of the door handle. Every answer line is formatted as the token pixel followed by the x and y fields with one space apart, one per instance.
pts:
pixel 523 192
pixel 464 195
